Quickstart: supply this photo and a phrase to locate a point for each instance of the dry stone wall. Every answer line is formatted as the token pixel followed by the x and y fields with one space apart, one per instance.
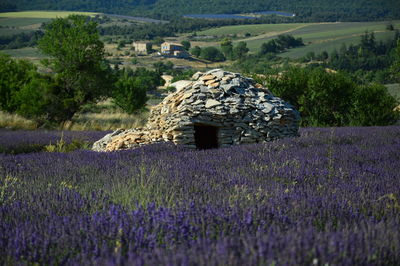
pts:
pixel 241 110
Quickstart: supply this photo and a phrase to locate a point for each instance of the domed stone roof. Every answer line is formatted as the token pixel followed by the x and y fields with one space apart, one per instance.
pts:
pixel 217 109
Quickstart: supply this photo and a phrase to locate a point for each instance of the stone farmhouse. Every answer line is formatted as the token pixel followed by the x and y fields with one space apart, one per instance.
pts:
pixel 216 109
pixel 174 50
pixel 142 48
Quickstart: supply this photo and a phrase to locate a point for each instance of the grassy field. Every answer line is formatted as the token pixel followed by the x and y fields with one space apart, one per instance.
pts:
pixel 316 36
pixel 251 29
pixel 330 35
pixel 9 32
pixel 27 53
pixel 43 14
pixel 20 22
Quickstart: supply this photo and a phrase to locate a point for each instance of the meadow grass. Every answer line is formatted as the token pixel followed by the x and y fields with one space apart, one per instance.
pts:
pixel 21 22
pixel 14 121
pixel 9 32
pixel 102 116
pixel 252 29
pixel 331 44
pixel 328 36
pixel 44 14
pixel 30 53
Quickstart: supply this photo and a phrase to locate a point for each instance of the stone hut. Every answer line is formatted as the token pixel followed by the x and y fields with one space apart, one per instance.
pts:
pixel 217 109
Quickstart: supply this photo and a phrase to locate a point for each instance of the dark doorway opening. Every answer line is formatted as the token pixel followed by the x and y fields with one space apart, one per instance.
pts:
pixel 206 137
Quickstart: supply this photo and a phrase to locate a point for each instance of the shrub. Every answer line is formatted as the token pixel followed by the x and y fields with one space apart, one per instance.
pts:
pixel 14 74
pixel 372 106
pixel 130 93
pixel 333 99
pixel 212 54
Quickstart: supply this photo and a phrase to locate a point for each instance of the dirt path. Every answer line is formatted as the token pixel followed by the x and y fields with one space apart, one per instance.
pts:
pixel 271 34
pixel 261 36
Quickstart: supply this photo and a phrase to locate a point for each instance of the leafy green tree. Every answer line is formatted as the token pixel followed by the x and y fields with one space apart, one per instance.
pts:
pixel 323 99
pixel 32 101
pixel 77 59
pixel 333 99
pixel 269 47
pixel 158 41
pixel 227 48
pixel 395 69
pixel 196 51
pixel 130 93
pixel 240 50
pixel 14 74
pixel 326 98
pixel 186 44
pixel 212 54
pixel 373 106
pixel 161 67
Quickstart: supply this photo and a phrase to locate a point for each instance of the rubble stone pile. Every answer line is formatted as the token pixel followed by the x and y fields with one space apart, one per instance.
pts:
pixel 217 109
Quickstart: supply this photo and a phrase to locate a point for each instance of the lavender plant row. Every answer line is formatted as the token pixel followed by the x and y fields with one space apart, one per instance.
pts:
pixel 331 196
pixel 24 141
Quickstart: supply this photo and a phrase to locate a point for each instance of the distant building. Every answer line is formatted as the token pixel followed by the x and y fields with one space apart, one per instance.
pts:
pixel 174 49
pixel 142 47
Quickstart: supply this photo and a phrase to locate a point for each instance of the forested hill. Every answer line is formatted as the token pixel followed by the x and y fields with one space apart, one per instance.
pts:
pixel 307 10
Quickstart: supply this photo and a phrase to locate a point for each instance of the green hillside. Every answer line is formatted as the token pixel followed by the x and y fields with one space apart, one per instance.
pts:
pixel 317 37
pixel 42 14
pixel 312 10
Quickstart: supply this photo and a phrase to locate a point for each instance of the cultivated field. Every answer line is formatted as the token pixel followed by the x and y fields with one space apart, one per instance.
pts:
pixel 329 197
pixel 316 36
pixel 241 30
pixel 43 14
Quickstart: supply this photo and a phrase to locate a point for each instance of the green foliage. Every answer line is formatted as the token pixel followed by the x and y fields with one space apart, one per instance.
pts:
pixel 186 44
pixel 161 67
pixel 62 146
pixel 184 75
pixel 333 99
pixel 369 60
pixel 158 41
pixel 143 189
pixel 326 99
pixel 395 68
pixel 227 48
pixel 13 76
pixel 282 43
pixel 213 54
pixel 77 58
pixel 333 10
pixel 130 92
pixel 373 106
pixel 240 50
pixel 196 51
pixel 20 40
pixel 30 99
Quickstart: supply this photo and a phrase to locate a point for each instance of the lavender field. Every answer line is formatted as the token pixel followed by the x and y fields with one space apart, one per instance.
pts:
pixel 329 197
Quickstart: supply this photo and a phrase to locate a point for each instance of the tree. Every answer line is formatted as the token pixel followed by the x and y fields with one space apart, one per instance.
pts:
pixel 196 51
pixel 240 50
pixel 77 59
pixel 13 76
pixel 269 47
pixel 227 48
pixel 130 93
pixel 158 41
pixel 212 54
pixel 373 106
pixel 186 44
pixel 395 69
pixel 31 100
